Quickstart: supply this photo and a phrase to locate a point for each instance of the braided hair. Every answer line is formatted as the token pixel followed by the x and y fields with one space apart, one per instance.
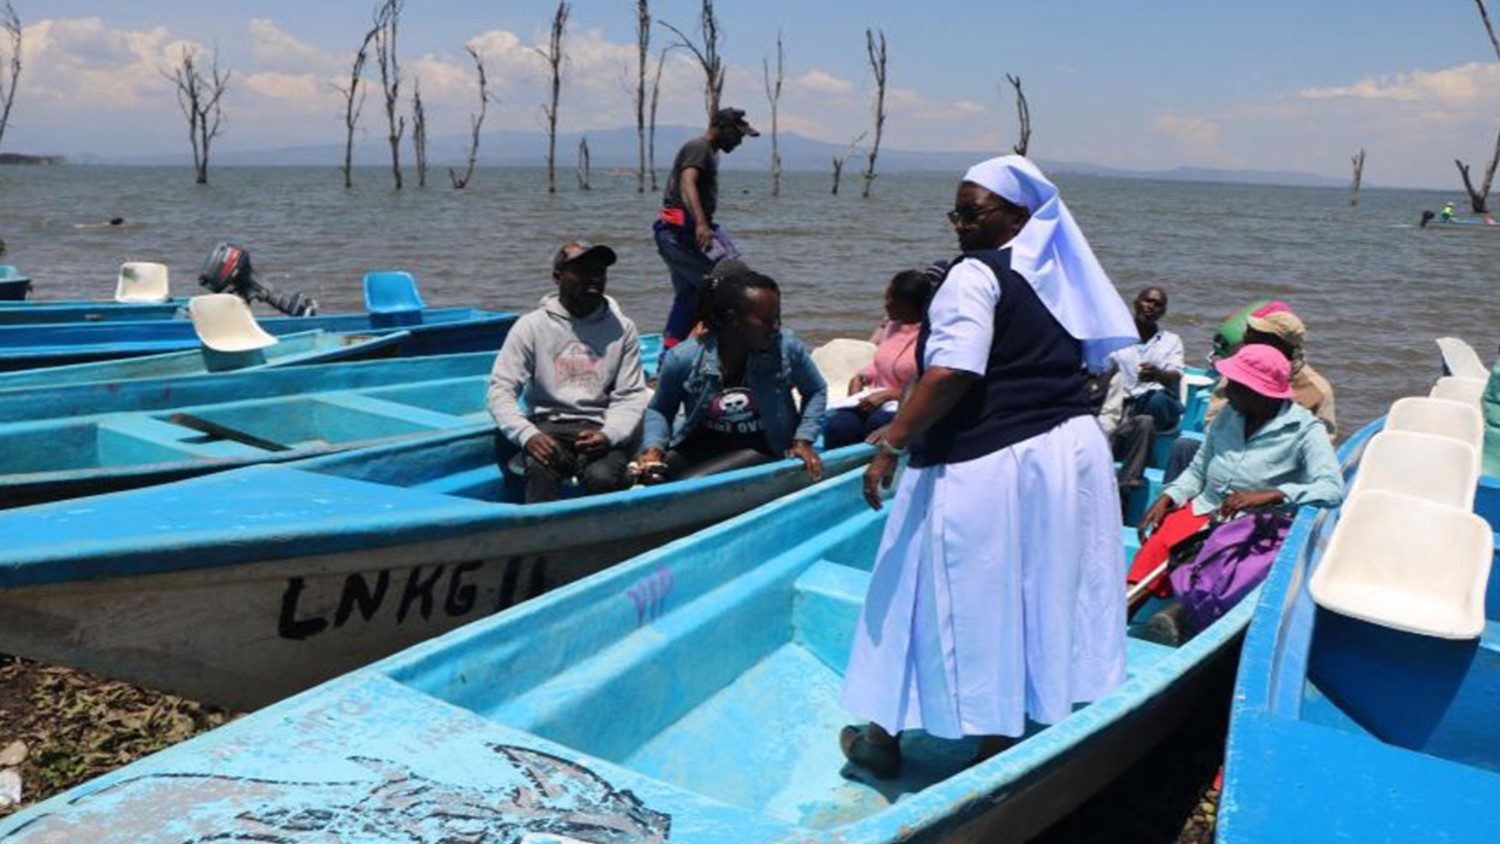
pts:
pixel 724 295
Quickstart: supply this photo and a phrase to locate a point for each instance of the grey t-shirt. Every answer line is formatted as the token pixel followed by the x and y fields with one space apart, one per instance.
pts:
pixel 700 155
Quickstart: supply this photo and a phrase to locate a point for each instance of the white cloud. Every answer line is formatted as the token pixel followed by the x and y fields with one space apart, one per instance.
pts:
pixel 297 90
pixel 1463 85
pixel 818 81
pixel 1196 137
pixel 82 63
pixel 271 46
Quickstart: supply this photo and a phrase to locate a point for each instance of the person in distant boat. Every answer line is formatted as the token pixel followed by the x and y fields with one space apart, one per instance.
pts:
pixel 1448 213
pixel 1142 398
pixel 875 391
pixel 1274 324
pixel 996 598
pixel 117 221
pixel 724 396
pixel 1264 456
pixel 577 361
pixel 688 237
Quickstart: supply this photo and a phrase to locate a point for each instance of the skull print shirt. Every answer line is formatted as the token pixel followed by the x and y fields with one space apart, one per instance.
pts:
pixel 731 422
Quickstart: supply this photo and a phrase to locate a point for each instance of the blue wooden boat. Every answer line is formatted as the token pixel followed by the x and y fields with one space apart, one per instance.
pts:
pixel 435 331
pixel 690 693
pixel 300 349
pixel 34 312
pixel 303 571
pixel 1349 730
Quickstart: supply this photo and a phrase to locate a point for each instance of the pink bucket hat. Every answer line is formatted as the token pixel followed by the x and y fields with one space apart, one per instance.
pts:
pixel 1261 368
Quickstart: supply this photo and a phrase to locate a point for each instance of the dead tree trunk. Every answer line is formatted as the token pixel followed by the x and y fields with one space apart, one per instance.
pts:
pixel 1023 114
pixel 1358 160
pixel 387 20
pixel 773 93
pixel 1479 196
pixel 419 133
pixel 354 103
pixel 840 160
pixel 643 52
pixel 10 22
pixel 707 54
pixel 655 98
pixel 1489 28
pixel 553 56
pixel 201 99
pixel 877 56
pixel 475 122
pixel 583 163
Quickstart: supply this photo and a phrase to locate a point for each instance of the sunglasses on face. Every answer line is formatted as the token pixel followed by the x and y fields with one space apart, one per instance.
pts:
pixel 968 215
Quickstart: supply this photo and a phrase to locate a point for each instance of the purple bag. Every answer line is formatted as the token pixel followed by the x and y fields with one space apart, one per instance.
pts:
pixel 1233 560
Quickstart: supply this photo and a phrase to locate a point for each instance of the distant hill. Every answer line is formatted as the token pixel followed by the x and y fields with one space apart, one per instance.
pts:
pixel 616 148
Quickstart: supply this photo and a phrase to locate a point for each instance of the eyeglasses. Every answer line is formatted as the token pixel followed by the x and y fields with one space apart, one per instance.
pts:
pixel 968 215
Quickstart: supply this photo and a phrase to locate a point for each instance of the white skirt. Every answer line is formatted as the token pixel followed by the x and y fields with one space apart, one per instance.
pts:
pixel 998 592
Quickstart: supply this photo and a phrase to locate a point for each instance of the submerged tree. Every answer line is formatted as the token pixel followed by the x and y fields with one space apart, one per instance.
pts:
pixel 1359 173
pixel 419 133
pixel 1479 195
pixel 553 56
pixel 201 98
pixel 877 55
pixel 661 62
pixel 387 20
pixel 10 22
pixel 583 164
pixel 773 94
pixel 1023 114
pixel 475 122
pixel 840 160
pixel 354 102
pixel 643 52
pixel 707 54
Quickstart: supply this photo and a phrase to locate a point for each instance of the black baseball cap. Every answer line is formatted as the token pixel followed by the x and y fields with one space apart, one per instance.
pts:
pixel 578 250
pixel 727 117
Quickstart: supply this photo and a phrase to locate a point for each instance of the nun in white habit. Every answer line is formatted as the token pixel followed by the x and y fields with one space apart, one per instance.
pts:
pixel 998 591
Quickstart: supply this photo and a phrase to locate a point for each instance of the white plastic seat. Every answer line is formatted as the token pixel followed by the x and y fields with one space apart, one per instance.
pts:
pixel 1444 417
pixel 225 324
pixel 1460 359
pixel 839 360
pixel 1428 466
pixel 142 281
pixel 1408 564
pixel 1469 390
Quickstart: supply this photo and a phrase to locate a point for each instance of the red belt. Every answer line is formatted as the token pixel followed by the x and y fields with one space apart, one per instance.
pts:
pixel 674 216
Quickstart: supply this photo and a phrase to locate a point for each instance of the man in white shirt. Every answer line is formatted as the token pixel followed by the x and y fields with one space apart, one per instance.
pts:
pixel 1143 395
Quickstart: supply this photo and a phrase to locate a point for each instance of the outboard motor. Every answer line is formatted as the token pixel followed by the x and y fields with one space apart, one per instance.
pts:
pixel 227 270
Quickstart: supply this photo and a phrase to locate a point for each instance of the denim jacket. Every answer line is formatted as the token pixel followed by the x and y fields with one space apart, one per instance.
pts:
pixel 691 376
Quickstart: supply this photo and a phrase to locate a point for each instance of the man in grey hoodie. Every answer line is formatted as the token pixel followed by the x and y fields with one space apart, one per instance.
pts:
pixel 577 361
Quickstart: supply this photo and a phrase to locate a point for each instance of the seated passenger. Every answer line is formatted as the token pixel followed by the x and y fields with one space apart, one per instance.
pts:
pixel 1143 396
pixel 724 396
pixel 875 391
pixel 1273 324
pixel 577 360
pixel 1263 457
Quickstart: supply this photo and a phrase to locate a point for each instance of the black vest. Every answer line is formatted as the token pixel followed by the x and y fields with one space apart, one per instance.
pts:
pixel 1033 380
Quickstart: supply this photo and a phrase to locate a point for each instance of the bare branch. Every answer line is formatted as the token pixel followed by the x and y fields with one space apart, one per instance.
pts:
pixel 773 94
pixel 553 56
pixel 476 121
pixel 655 98
pixel 583 163
pixel 1488 27
pixel 707 54
pixel 643 53
pixel 877 55
pixel 1358 160
pixel 354 102
pixel 1479 196
pixel 419 133
pixel 387 21
pixel 10 24
pixel 201 99
pixel 1023 114
pixel 840 160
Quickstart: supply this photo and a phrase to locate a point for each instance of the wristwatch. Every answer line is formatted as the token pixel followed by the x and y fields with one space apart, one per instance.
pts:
pixel 885 445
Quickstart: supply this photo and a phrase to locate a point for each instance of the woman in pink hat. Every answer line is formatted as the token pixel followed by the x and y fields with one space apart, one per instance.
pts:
pixel 1263 457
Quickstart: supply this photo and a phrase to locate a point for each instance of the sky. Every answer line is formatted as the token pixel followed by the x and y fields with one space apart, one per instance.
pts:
pixel 1273 85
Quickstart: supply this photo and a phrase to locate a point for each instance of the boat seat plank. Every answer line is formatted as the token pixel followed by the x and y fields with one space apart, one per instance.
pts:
pixel 829 598
pixel 392 410
pixel 143 439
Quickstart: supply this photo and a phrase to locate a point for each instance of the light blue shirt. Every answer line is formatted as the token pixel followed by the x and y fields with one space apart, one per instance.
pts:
pixel 1290 453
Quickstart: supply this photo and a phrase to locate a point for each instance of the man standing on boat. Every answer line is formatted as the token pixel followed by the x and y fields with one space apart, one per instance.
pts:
pixel 995 597
pixel 687 236
pixel 577 360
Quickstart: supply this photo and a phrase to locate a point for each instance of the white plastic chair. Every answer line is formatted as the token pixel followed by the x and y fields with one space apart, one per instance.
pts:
pixel 1460 359
pixel 1408 564
pixel 1469 390
pixel 1444 417
pixel 142 281
pixel 224 323
pixel 839 360
pixel 1428 466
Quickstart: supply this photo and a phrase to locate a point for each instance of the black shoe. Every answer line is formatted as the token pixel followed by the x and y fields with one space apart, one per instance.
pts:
pixel 883 761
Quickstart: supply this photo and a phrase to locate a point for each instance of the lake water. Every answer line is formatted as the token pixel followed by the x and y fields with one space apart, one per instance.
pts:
pixel 1373 288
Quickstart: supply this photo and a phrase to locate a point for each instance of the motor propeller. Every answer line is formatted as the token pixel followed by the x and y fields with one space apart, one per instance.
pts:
pixel 227 270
